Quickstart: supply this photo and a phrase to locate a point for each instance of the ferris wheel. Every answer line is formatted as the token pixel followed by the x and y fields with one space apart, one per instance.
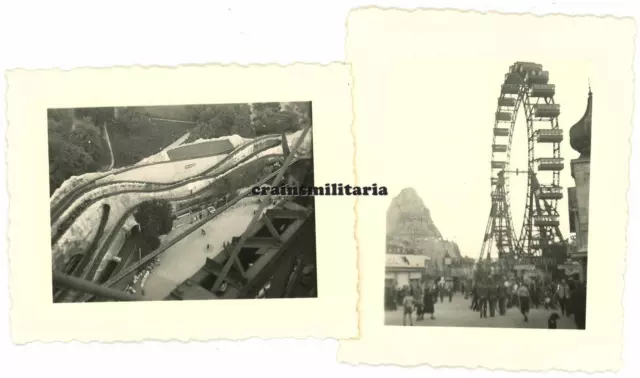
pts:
pixel 526 86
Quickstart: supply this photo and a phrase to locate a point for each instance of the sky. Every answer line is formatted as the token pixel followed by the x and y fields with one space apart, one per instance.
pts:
pixel 438 140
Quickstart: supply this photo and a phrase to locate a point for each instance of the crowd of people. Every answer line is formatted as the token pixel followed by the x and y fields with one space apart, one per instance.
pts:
pixel 566 295
pixel 491 296
pixel 421 299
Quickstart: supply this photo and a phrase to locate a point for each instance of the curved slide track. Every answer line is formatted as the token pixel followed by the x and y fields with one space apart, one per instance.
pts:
pixel 61 205
pixel 209 173
pixel 193 228
pixel 94 258
pixel 79 269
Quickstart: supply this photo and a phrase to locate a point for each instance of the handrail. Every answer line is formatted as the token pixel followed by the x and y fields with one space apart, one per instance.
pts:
pixel 65 281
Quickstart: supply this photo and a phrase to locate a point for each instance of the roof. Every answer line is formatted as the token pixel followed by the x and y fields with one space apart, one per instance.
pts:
pixel 406 261
pixel 580 133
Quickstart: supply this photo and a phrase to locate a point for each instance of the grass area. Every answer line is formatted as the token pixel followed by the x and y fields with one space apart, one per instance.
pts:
pixel 215 147
pixel 134 141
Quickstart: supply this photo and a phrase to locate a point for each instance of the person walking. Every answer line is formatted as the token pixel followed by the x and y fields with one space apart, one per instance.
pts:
pixel 428 302
pixel 514 294
pixel 524 298
pixel 419 303
pixel 492 298
pixel 563 296
pixel 580 305
pixel 502 298
pixel 474 297
pixel 482 299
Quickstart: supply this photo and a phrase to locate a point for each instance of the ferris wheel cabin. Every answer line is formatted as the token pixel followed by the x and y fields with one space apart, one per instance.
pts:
pixel 550 164
pixel 503 116
pixel 542 90
pixel 499 147
pixel 546 110
pixel 546 220
pixel 498 164
pixel 538 77
pixel 525 67
pixel 549 192
pixel 513 89
pixel 497 196
pixel 506 101
pixel 501 131
pixel 549 135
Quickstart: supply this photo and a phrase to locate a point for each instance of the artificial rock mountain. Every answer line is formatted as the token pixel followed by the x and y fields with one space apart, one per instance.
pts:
pixel 409 222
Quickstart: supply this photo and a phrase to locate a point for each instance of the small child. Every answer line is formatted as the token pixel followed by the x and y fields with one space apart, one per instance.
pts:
pixel 408 303
pixel 547 301
pixel 552 322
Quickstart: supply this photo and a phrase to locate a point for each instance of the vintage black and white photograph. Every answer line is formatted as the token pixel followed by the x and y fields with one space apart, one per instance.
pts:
pixel 518 258
pixel 155 203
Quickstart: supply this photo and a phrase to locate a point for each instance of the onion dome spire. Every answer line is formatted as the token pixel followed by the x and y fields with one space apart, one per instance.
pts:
pixel 580 133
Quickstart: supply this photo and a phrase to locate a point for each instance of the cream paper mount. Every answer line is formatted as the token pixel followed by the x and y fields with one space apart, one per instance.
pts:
pixel 34 316
pixel 426 90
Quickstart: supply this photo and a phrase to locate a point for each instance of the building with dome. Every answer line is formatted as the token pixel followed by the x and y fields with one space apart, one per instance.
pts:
pixel 580 138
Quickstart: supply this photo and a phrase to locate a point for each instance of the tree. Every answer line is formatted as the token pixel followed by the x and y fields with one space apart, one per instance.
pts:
pixel 214 121
pixel 89 139
pixel 275 118
pixel 155 218
pixel 74 148
pixel 98 115
pixel 66 160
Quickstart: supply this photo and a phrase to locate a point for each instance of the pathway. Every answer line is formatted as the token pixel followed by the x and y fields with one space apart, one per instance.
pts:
pixel 184 258
pixel 458 314
pixel 106 136
pixel 177 142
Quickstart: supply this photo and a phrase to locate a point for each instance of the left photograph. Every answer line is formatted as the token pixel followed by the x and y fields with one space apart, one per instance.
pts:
pixel 156 203
pixel 151 203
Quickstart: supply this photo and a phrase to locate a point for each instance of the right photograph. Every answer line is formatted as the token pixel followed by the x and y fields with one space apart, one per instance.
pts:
pixel 519 260
pixel 504 142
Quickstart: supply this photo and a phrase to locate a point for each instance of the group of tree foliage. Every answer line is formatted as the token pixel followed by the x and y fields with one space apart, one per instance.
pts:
pixel 155 218
pixel 135 136
pixel 248 120
pixel 76 144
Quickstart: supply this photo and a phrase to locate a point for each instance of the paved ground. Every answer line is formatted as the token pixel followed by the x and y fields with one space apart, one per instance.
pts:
pixel 458 314
pixel 188 255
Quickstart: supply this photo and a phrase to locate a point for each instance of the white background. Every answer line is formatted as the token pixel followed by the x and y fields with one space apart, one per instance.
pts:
pixel 67 34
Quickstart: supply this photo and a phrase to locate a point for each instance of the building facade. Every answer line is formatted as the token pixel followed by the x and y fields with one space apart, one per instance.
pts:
pixel 580 138
pixel 405 270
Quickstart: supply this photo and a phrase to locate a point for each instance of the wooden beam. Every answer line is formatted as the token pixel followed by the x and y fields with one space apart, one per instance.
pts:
pixel 271 228
pixel 286 214
pixel 263 204
pixel 259 242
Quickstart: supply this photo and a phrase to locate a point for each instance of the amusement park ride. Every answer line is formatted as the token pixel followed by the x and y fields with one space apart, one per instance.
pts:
pixel 526 86
pixel 279 259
